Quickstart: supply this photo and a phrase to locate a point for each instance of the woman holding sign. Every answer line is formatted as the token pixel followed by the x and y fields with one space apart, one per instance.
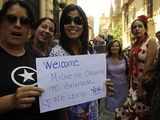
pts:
pixel 18 88
pixel 18 92
pixel 74 41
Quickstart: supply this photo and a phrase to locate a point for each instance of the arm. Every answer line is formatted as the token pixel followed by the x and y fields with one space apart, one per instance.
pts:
pixel 151 55
pixel 109 87
pixel 23 98
pixel 7 103
pixel 150 60
pixel 152 67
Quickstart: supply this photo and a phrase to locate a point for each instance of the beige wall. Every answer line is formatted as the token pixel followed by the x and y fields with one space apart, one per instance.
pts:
pixel 71 1
pixel 1 2
pixel 103 25
pixel 136 8
pixel 42 8
pixel 156 14
pixel 46 8
pixel 91 26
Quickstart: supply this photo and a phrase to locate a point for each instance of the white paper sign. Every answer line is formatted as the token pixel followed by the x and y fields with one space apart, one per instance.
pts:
pixel 70 80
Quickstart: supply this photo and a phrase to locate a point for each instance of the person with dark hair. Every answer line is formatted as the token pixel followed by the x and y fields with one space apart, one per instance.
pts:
pixel 44 31
pixel 78 30
pixel 158 38
pixel 108 39
pixel 154 88
pixel 91 48
pixel 74 41
pixel 117 81
pixel 158 35
pixel 23 4
pixel 18 85
pixel 142 58
pixel 99 44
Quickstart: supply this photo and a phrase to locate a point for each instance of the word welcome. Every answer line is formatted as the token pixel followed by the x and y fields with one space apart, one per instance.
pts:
pixel 60 64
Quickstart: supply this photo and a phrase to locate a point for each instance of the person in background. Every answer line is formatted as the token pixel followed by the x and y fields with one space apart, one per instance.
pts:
pixel 142 57
pixel 154 85
pixel 158 36
pixel 99 44
pixel 154 88
pixel 158 42
pixel 117 81
pixel 91 47
pixel 44 31
pixel 108 39
pixel 126 51
pixel 74 41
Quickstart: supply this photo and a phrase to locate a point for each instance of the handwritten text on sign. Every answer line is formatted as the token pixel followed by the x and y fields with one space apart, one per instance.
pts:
pixel 70 80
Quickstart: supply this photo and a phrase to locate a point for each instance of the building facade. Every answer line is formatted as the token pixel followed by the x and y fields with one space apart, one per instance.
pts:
pixel 104 25
pixel 133 8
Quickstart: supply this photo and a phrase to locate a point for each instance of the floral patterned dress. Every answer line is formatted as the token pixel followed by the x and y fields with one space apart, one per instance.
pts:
pixel 136 106
pixel 88 110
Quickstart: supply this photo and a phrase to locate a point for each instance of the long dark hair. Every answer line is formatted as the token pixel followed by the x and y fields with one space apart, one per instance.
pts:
pixel 64 40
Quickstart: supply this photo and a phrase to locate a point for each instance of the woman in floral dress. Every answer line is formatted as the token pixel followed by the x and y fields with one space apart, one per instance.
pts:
pixel 143 53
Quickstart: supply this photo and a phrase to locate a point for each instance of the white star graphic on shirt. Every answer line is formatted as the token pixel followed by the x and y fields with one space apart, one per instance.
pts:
pixel 27 76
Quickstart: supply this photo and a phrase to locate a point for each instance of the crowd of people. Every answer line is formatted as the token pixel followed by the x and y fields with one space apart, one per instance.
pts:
pixel 132 81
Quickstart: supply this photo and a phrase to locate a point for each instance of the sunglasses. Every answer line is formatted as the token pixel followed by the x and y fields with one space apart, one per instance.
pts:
pixel 77 20
pixel 13 19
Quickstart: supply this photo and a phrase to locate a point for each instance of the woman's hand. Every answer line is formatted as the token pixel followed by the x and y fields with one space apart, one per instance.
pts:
pixel 109 86
pixel 84 116
pixel 25 96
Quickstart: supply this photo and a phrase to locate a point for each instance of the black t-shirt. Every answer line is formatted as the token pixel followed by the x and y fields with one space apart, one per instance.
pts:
pixel 15 72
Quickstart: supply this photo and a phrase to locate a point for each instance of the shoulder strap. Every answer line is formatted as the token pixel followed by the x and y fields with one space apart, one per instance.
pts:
pixel 106 65
pixel 127 67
